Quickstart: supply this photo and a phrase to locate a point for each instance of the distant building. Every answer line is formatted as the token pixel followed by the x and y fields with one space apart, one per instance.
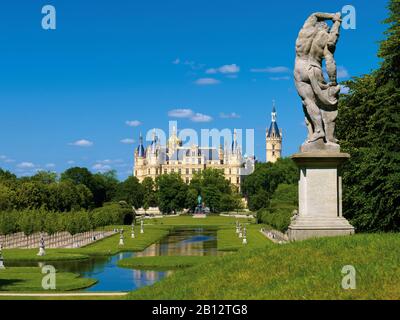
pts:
pixel 155 159
pixel 273 139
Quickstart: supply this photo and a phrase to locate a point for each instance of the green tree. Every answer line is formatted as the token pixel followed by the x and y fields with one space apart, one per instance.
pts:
pixel 7 198
pixel 259 187
pixel 172 193
pixel 130 191
pixel 368 127
pixel 150 196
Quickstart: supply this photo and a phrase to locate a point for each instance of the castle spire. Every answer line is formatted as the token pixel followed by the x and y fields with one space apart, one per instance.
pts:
pixel 273 113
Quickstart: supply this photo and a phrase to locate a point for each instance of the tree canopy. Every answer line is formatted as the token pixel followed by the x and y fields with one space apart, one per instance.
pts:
pixel 368 127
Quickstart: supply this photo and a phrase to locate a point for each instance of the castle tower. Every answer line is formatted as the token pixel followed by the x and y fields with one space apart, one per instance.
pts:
pixel 140 156
pixel 273 139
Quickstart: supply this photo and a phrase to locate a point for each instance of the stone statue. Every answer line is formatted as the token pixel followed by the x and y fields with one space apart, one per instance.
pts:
pixel 1 257
pixel 317 42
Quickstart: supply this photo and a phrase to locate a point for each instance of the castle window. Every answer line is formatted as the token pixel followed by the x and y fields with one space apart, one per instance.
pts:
pixel 187 180
pixel 165 171
pixel 148 171
pixel 273 153
pixel 172 170
pixel 180 171
pixel 193 171
pixel 273 147
pixel 187 171
pixel 237 180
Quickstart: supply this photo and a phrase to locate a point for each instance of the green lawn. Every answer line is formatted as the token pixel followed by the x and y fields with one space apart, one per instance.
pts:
pixel 164 262
pixel 29 255
pixel 189 221
pixel 302 270
pixel 30 280
pixel 110 245
pixel 228 240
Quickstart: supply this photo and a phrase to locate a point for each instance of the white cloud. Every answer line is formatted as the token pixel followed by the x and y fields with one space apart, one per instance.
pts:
pixel 344 90
pixel 82 143
pixel 101 167
pixel 342 72
pixel 193 65
pixel 50 165
pixel 207 81
pixel 279 69
pixel 71 162
pixel 225 69
pixel 6 159
pixel 189 114
pixel 199 117
pixel 232 115
pixel 26 165
pixel 181 113
pixel 127 141
pixel 133 123
pixel 176 61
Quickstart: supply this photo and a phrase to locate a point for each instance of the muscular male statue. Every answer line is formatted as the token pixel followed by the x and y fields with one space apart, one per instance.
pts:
pixel 316 42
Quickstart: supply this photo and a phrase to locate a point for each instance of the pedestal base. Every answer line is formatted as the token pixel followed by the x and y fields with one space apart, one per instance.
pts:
pixel 304 228
pixel 41 252
pixel 199 216
pixel 320 197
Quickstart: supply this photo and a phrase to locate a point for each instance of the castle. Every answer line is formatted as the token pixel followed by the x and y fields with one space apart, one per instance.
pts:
pixel 156 159
pixel 273 139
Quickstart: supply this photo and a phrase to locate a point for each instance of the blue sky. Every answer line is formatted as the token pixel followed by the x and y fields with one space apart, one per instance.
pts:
pixel 110 62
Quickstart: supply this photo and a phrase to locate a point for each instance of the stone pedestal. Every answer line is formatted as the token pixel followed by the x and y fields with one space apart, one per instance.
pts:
pixel 1 261
pixel 41 252
pixel 320 197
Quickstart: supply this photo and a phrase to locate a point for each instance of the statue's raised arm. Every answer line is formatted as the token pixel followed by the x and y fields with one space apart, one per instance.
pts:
pixel 317 42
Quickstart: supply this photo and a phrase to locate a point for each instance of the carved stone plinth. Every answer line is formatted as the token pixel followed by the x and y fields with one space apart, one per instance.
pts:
pixel 320 197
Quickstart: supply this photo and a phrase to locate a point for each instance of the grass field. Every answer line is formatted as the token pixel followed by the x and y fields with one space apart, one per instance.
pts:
pixel 105 247
pixel 31 255
pixel 228 240
pixel 189 221
pixel 302 270
pixel 30 280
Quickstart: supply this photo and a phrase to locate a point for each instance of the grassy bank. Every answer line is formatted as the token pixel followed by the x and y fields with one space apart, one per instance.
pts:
pixel 30 280
pixel 110 246
pixel 29 255
pixel 189 221
pixel 228 240
pixel 164 262
pixel 302 270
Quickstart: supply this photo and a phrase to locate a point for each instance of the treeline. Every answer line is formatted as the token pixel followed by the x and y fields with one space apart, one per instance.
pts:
pixel 75 189
pixel 171 194
pixel 40 220
pixel 259 187
pixel 78 189
pixel 368 128
pixel 272 192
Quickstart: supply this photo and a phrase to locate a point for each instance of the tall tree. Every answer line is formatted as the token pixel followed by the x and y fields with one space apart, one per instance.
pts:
pixel 130 191
pixel 172 193
pixel 368 127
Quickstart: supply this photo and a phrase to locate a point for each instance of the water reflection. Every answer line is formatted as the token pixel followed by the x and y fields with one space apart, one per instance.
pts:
pixel 180 242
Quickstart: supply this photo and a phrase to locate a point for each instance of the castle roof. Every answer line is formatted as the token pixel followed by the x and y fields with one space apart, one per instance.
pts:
pixel 274 130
